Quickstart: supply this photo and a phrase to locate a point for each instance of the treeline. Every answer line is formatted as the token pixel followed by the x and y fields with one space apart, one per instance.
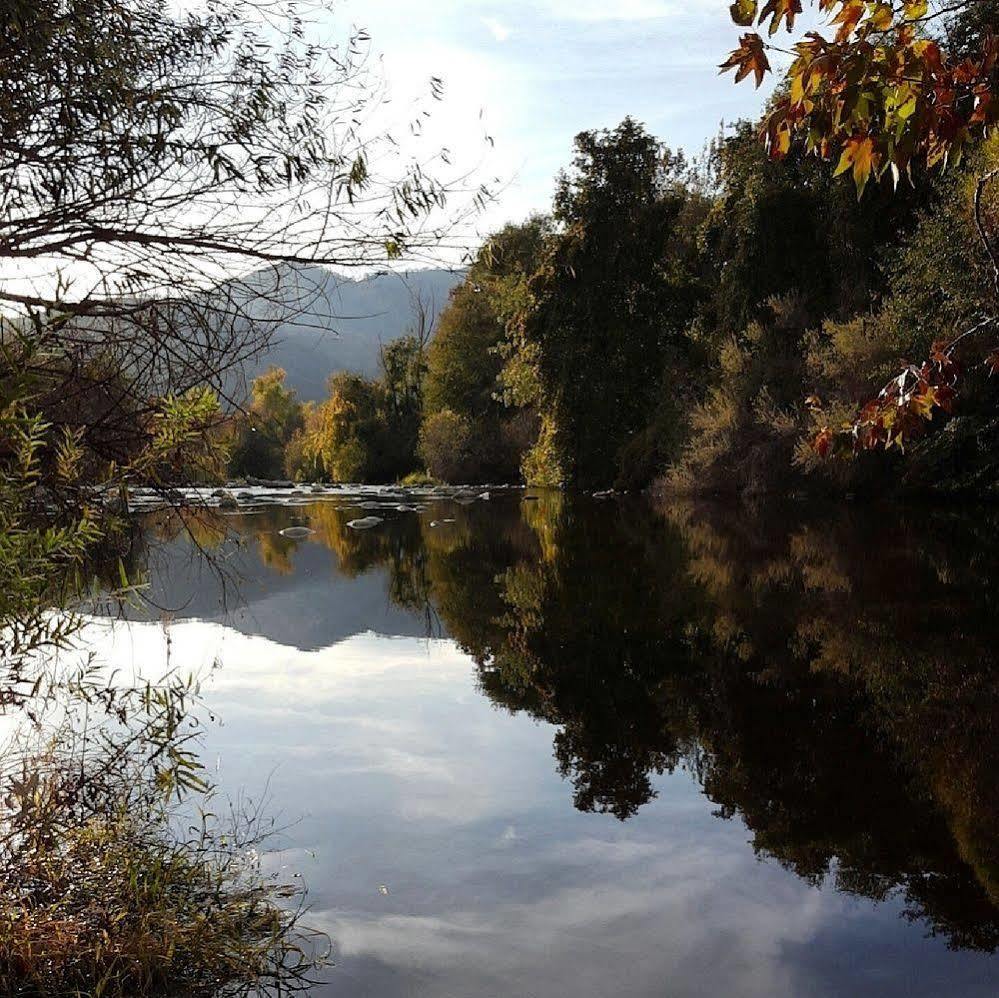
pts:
pixel 682 324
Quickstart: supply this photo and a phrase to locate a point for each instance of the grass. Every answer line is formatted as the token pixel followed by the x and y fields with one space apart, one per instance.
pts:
pixel 106 891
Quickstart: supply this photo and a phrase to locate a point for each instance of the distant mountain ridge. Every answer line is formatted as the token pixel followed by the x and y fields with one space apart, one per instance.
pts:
pixel 324 322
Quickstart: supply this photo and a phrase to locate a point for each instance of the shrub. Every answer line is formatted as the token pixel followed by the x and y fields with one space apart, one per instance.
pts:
pixel 444 446
pixel 107 887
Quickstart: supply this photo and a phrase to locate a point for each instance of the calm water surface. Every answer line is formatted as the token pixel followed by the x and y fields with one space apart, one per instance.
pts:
pixel 571 747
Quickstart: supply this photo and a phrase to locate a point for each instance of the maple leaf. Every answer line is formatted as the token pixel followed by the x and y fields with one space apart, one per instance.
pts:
pixel 749 57
pixel 823 441
pixel 860 155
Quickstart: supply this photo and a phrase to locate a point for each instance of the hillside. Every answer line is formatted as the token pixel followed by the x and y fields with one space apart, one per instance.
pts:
pixel 324 322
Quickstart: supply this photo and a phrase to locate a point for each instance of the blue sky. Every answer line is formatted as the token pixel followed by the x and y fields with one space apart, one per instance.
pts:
pixel 540 72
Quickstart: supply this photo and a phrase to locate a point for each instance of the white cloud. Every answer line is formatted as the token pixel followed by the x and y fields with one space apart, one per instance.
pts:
pixel 612 10
pixel 497 28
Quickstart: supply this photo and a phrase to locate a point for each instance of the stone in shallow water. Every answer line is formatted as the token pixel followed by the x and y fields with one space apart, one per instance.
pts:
pixel 364 523
pixel 296 532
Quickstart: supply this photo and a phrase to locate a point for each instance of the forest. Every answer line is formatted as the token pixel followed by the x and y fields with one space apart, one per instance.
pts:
pixel 691 324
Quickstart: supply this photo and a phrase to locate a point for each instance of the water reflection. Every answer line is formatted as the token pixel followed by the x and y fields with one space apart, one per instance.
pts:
pixel 828 681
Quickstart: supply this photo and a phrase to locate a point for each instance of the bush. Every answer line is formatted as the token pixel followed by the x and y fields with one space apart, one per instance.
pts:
pixel 445 438
pixel 104 892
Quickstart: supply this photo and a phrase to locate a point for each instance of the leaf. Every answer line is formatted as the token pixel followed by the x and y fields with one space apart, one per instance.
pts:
pixel 749 57
pixel 823 441
pixel 858 154
pixel 743 12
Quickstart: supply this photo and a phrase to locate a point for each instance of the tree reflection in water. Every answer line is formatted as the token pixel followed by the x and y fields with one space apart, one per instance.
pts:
pixel 830 677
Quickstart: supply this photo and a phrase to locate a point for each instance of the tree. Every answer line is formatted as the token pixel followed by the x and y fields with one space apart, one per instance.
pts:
pixel 265 429
pixel 445 441
pixel 466 360
pixel 897 86
pixel 346 435
pixel 609 304
pixel 403 364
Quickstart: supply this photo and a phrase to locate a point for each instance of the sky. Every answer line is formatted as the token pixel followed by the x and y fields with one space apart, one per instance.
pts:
pixel 534 74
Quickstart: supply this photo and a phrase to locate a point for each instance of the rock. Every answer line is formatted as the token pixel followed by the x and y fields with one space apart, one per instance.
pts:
pixel 364 523
pixel 295 533
pixel 485 495
pixel 268 484
pixel 226 499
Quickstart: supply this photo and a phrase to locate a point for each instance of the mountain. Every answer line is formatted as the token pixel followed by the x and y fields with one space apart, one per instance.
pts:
pixel 321 322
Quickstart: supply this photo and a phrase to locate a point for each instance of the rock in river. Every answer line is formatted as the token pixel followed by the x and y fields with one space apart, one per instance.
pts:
pixel 226 499
pixel 365 522
pixel 296 532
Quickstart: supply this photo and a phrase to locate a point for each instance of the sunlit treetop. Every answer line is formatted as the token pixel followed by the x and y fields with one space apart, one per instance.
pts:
pixel 878 87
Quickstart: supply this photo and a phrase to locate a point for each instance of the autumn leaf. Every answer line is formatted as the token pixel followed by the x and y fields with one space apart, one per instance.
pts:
pixel 743 12
pixel 858 155
pixel 749 57
pixel 823 441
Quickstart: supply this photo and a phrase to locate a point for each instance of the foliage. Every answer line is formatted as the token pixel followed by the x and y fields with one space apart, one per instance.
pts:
pixel 445 439
pixel 607 307
pixel 743 434
pixel 876 91
pixel 466 368
pixel 264 430
pixel 101 892
pixel 897 86
pixel 33 561
pixel 940 300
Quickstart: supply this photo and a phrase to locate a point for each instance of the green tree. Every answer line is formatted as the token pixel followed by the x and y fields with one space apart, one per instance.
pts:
pixel 465 361
pixel 608 308
pixel 346 438
pixel 262 433
pixel 403 366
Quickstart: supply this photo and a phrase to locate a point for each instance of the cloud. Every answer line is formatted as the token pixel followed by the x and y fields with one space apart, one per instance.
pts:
pixel 618 10
pixel 497 28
